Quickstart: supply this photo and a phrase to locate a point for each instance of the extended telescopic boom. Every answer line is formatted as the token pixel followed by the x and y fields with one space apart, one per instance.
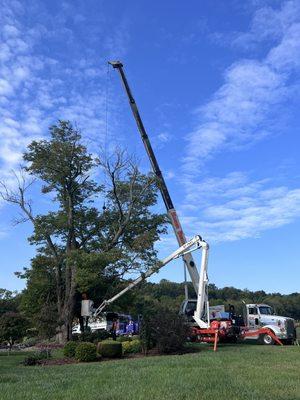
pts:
pixel 188 259
pixel 187 248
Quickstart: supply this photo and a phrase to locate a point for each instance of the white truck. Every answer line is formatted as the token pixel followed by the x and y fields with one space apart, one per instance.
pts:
pixel 262 316
pixel 255 317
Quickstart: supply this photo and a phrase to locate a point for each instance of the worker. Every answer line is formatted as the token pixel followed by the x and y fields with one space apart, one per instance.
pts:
pixel 232 314
pixel 130 328
pixel 113 330
pixel 86 310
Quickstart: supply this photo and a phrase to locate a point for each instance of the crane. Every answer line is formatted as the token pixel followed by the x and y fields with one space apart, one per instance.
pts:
pixel 181 239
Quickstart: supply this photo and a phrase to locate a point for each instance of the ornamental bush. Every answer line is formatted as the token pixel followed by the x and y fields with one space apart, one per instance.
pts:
pixel 110 349
pixel 86 352
pixel 132 347
pixel 29 361
pixel 92 337
pixel 35 358
pixel 70 349
pixel 122 339
pixel 169 331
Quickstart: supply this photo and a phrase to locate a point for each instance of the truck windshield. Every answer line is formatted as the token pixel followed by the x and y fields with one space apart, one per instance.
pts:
pixel 265 310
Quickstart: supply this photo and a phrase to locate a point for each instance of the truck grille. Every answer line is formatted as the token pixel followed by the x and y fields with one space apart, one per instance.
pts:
pixel 290 328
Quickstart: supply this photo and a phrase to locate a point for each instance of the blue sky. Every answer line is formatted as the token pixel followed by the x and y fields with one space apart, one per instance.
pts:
pixel 217 83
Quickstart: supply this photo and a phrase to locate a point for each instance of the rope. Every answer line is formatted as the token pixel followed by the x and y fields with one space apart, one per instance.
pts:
pixel 106 128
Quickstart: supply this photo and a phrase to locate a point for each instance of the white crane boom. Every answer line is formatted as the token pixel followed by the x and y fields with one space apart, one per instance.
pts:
pixel 188 247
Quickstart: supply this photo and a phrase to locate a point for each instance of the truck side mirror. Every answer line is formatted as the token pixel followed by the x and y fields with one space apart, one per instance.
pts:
pixel 256 321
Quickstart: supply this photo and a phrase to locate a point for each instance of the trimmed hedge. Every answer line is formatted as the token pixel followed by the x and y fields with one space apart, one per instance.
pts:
pixel 92 337
pixel 70 349
pixel 132 347
pixel 122 339
pixel 110 349
pixel 86 352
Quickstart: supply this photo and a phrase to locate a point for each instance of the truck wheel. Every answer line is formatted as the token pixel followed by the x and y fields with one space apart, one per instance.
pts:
pixel 266 339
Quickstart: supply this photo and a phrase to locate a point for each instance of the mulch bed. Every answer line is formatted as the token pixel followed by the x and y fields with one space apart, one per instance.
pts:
pixel 57 361
pixel 151 353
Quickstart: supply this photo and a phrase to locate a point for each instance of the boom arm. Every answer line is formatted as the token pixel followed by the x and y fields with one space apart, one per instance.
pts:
pixel 188 259
pixel 185 249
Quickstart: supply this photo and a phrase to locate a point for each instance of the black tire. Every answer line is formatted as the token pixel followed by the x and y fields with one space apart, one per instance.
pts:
pixel 266 339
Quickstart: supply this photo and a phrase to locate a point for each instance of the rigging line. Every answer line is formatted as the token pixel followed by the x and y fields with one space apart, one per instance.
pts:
pixel 106 113
pixel 106 131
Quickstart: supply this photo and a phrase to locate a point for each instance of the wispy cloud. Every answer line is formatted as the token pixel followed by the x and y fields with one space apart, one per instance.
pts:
pixel 242 110
pixel 235 207
pixel 36 89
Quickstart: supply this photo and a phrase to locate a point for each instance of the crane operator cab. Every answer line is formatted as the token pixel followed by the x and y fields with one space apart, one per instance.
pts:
pixel 188 308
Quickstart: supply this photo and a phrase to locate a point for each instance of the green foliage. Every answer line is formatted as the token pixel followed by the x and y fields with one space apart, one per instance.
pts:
pixel 86 352
pixel 146 335
pixel 168 331
pixel 150 296
pixel 110 349
pixel 70 349
pixel 132 347
pixel 30 361
pixel 92 337
pixel 9 301
pixel 35 358
pixel 122 339
pixel 12 327
pixel 30 341
pixel 38 300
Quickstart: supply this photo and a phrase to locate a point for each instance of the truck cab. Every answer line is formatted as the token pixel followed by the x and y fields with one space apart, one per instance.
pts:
pixel 262 315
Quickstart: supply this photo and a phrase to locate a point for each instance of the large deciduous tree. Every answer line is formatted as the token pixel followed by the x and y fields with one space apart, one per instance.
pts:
pixel 81 246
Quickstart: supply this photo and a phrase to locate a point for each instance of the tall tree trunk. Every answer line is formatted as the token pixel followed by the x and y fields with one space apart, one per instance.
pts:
pixel 67 312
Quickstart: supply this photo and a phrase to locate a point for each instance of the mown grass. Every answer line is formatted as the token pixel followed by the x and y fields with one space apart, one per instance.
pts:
pixel 235 372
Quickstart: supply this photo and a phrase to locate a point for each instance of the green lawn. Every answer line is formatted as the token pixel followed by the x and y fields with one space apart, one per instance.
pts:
pixel 235 372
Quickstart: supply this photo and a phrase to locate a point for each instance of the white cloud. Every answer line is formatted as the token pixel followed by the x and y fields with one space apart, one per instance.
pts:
pixel 164 137
pixel 36 89
pixel 243 109
pixel 234 207
pixel 242 112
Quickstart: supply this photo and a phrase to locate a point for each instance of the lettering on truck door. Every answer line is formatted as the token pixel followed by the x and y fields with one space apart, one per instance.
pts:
pixel 253 318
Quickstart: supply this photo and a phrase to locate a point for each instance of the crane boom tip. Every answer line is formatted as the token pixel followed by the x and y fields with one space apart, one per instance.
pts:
pixel 115 64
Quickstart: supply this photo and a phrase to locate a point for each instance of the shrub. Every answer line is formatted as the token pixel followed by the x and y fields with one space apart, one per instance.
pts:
pixel 30 341
pixel 122 339
pixel 29 361
pixel 70 349
pixel 132 347
pixel 146 335
pixel 86 352
pixel 169 331
pixel 43 354
pixel 36 357
pixel 110 349
pixel 91 337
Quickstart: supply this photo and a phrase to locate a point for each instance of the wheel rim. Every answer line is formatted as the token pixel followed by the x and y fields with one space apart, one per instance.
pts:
pixel 268 339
